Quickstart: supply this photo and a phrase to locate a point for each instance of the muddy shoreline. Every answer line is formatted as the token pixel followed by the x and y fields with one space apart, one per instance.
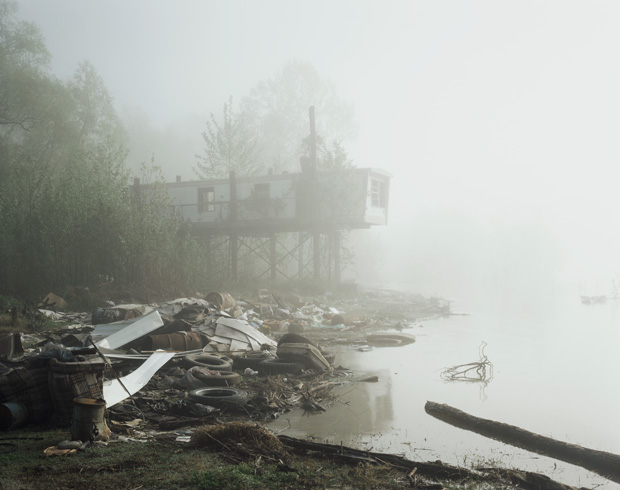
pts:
pixel 162 411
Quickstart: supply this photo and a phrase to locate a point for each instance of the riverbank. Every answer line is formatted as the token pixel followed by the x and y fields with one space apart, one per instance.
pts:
pixel 276 394
pixel 230 457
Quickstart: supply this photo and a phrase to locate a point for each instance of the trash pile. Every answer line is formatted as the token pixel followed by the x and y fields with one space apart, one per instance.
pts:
pixel 174 364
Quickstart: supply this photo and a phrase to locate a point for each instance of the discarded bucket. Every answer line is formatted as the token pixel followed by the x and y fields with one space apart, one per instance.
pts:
pixel 11 345
pixel 179 341
pixel 223 301
pixel 88 422
pixel 12 415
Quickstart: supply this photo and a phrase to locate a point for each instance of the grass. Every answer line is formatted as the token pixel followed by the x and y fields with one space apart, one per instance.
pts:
pixel 166 464
pixel 156 464
pixel 163 463
pixel 307 473
pixel 245 475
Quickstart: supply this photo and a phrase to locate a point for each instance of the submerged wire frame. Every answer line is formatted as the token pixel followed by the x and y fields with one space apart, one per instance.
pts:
pixel 472 372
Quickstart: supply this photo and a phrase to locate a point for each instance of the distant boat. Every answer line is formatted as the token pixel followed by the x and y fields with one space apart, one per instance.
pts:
pixel 588 300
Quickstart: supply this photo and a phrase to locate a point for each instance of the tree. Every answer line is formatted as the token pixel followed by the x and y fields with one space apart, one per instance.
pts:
pixel 277 109
pixel 96 116
pixel 67 214
pixel 231 146
pixel 24 61
pixel 330 157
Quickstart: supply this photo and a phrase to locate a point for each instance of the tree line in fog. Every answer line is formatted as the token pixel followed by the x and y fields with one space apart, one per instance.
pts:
pixel 69 215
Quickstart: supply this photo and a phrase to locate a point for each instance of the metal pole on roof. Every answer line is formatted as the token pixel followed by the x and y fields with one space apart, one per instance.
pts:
pixel 336 251
pixel 316 234
pixel 312 139
pixel 232 237
pixel 273 257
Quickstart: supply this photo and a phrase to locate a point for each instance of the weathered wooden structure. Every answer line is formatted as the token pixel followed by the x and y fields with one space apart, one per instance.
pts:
pixel 291 223
pixel 285 225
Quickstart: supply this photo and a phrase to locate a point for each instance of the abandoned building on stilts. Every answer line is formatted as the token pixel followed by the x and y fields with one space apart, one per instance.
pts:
pixel 281 227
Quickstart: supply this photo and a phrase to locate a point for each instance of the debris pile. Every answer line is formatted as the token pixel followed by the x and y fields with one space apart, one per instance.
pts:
pixel 183 361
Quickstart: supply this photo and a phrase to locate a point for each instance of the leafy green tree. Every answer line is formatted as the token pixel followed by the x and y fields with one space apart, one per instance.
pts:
pixel 23 63
pixel 277 109
pixel 25 87
pixel 229 146
pixel 67 213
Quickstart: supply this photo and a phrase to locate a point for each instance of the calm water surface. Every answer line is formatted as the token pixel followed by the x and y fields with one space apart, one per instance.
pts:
pixel 555 372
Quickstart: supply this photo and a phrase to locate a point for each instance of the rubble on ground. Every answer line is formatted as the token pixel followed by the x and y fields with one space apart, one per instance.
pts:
pixel 252 359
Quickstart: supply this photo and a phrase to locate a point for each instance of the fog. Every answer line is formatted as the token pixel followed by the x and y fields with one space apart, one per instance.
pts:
pixel 499 121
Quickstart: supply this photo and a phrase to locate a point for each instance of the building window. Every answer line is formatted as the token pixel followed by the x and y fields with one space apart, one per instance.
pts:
pixel 206 199
pixel 378 194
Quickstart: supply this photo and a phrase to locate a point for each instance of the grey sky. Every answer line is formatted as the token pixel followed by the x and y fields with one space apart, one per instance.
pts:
pixel 502 112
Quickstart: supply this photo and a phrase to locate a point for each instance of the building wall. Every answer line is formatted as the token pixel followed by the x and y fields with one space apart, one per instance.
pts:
pixel 355 200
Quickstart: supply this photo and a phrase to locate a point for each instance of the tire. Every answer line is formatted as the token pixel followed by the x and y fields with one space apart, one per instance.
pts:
pixel 251 361
pixel 279 366
pixel 213 363
pixel 306 354
pixel 219 397
pixel 390 338
pixel 226 378
pixel 294 338
pixel 384 342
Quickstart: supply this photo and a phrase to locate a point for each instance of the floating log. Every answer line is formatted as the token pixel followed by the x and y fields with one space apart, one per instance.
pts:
pixel 600 462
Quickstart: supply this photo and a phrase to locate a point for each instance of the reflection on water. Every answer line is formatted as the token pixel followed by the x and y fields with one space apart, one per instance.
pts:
pixel 555 374
pixel 362 411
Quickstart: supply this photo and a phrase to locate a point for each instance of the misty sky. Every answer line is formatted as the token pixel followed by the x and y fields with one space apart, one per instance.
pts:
pixel 499 120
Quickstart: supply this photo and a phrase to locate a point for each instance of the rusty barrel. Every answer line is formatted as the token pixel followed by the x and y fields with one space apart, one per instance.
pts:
pixel 180 341
pixel 223 301
pixel 88 422
pixel 12 415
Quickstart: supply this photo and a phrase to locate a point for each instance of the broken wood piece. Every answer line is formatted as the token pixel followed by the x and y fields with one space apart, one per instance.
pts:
pixel 411 475
pixel 322 386
pixel 438 470
pixel 600 462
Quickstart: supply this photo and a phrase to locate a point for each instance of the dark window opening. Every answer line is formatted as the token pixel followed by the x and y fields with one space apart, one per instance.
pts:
pixel 378 194
pixel 206 199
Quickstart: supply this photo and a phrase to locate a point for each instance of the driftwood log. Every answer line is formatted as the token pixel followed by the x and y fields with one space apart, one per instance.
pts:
pixel 431 470
pixel 437 470
pixel 600 462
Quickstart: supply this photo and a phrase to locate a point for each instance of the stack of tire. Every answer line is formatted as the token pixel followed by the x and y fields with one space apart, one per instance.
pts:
pixel 218 391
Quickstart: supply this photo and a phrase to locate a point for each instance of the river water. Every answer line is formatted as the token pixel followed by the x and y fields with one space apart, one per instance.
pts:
pixel 556 372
